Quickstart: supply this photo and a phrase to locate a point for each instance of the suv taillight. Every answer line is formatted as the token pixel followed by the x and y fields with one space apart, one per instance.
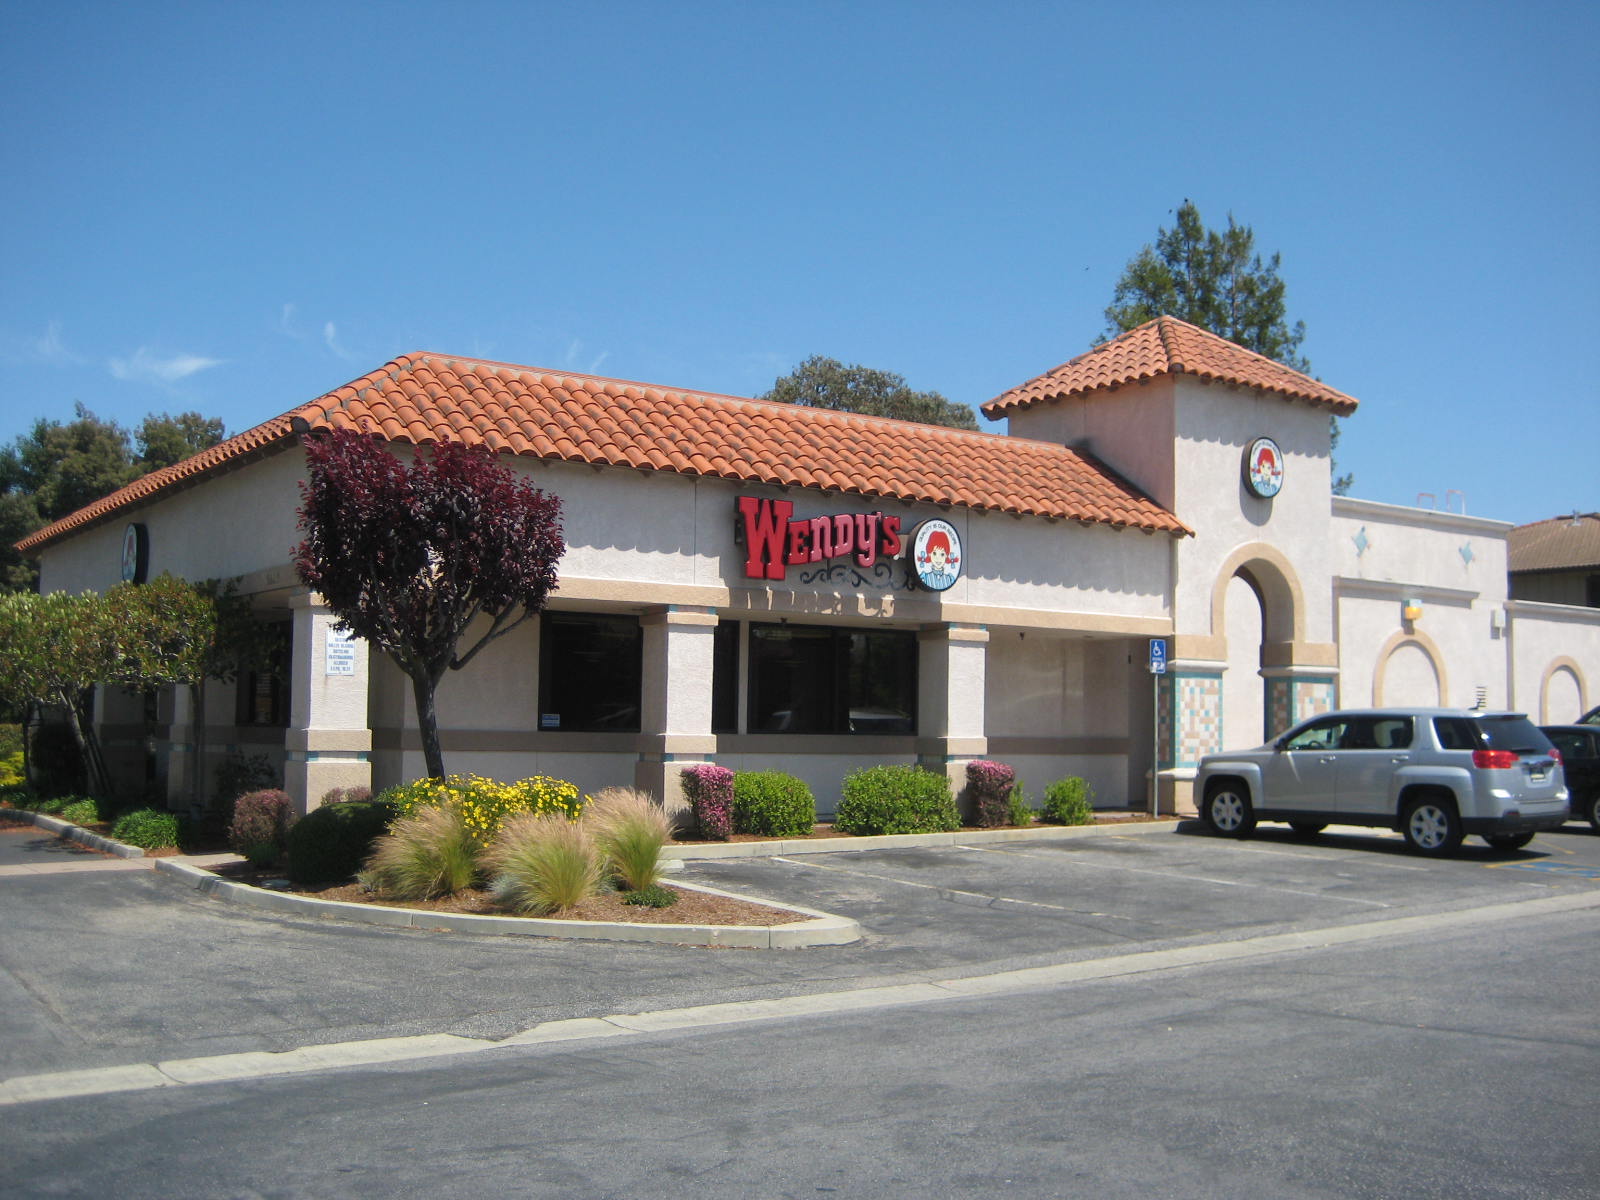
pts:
pixel 1494 760
pixel 1555 754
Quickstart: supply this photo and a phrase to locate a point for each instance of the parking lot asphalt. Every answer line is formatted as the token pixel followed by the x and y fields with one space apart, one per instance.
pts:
pixel 123 966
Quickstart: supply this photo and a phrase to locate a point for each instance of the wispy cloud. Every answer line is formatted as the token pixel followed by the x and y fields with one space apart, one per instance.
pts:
pixel 330 338
pixel 575 354
pixel 146 367
pixel 47 348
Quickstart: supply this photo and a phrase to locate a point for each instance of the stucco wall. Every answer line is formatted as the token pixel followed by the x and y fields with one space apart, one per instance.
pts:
pixel 1454 567
pixel 1556 652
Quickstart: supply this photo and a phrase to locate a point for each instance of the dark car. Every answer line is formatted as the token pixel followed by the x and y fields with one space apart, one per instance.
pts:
pixel 1592 717
pixel 1580 760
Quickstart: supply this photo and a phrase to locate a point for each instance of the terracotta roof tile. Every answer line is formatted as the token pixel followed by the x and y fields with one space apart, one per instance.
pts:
pixel 1167 346
pixel 421 398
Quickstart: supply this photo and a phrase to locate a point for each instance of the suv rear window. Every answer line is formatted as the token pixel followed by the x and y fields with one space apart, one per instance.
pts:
pixel 1491 733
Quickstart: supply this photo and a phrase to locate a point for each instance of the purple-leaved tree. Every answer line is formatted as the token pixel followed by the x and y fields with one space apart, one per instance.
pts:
pixel 409 555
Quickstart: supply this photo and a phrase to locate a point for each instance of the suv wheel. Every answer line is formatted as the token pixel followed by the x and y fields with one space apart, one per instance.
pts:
pixel 1594 812
pixel 1506 842
pixel 1431 826
pixel 1227 809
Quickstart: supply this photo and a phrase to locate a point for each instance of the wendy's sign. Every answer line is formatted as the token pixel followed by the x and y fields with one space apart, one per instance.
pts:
pixel 775 540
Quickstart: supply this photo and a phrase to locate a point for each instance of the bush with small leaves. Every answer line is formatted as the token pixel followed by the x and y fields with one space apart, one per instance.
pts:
pixel 1069 802
pixel 654 896
pixel 83 811
pixel 772 804
pixel 990 785
pixel 709 789
pixel 896 799
pixel 260 826
pixel 484 805
pixel 147 829
pixel 330 843
pixel 347 795
pixel 630 829
pixel 1020 809
pixel 544 864
pixel 424 856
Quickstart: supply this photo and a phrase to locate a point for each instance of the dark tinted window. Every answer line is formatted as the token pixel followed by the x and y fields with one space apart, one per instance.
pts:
pixel 815 679
pixel 725 679
pixel 589 672
pixel 1490 733
pixel 1377 733
pixel 1323 734
pixel 1572 743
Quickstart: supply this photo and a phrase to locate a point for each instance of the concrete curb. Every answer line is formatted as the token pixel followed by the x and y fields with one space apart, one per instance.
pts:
pixel 72 833
pixel 910 841
pixel 811 928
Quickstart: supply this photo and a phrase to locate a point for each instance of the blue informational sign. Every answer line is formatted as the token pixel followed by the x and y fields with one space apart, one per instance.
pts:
pixel 1158 656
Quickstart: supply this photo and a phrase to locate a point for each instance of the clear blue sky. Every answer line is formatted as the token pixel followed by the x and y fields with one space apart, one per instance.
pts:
pixel 234 207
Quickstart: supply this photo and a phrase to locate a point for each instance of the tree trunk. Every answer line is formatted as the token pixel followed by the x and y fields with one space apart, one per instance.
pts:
pixel 96 778
pixel 422 689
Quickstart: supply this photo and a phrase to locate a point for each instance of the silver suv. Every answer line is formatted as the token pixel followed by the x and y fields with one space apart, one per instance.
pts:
pixel 1433 774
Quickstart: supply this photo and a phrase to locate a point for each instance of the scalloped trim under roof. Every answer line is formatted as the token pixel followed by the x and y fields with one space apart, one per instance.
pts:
pixel 424 398
pixel 1167 346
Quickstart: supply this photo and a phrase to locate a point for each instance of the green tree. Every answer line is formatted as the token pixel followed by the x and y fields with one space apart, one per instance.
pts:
pixel 56 468
pixel 1214 279
pixel 57 648
pixel 165 440
pixel 828 383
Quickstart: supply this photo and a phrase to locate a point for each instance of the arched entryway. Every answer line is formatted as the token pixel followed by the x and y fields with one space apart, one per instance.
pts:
pixel 1257 617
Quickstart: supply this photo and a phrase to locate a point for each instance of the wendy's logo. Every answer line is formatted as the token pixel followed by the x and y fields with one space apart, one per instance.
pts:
pixel 1263 468
pixel 936 555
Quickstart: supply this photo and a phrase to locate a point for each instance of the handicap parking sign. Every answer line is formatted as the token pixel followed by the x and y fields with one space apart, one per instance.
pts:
pixel 1158 656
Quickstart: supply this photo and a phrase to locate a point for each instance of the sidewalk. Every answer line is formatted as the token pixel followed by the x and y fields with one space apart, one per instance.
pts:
pixel 35 844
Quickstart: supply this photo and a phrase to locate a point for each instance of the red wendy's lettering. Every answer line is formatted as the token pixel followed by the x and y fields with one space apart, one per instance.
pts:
pixel 774 540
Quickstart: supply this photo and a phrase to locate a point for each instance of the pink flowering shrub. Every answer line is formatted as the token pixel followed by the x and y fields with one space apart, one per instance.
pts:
pixel 709 790
pixel 990 785
pixel 260 827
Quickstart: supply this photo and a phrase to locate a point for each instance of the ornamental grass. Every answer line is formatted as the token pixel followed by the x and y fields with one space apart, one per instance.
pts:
pixel 424 856
pixel 630 828
pixel 544 864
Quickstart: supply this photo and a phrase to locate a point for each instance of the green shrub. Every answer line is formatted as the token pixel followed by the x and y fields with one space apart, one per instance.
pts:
pixel 330 843
pixel 544 864
pixel 259 829
pixel 484 805
pixel 654 896
pixel 1020 809
pixel 772 804
pixel 147 828
pixel 629 829
pixel 1069 802
pixel 10 741
pixel 82 811
pixel 423 856
pixel 896 799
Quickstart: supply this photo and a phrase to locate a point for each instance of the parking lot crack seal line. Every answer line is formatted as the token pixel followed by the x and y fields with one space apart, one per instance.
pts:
pixel 260 1064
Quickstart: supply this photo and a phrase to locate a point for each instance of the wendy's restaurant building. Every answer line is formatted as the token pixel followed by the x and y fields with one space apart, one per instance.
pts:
pixel 1149 567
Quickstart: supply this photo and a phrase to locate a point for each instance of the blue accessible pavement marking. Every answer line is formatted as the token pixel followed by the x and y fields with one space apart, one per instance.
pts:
pixel 1553 868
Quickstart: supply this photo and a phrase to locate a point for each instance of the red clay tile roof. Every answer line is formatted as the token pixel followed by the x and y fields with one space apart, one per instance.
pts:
pixel 1567 543
pixel 1167 346
pixel 424 398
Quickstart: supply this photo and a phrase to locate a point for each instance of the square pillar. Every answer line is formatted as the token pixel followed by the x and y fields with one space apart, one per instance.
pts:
pixel 328 743
pixel 951 664
pixel 675 716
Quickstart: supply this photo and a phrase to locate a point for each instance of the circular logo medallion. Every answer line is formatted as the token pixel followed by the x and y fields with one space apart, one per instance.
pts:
pixel 936 555
pixel 1263 468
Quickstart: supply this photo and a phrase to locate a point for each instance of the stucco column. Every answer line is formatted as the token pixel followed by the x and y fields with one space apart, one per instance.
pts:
pixel 675 721
pixel 328 743
pixel 951 663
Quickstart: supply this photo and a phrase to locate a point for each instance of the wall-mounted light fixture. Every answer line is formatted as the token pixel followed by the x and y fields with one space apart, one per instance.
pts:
pixel 1411 609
